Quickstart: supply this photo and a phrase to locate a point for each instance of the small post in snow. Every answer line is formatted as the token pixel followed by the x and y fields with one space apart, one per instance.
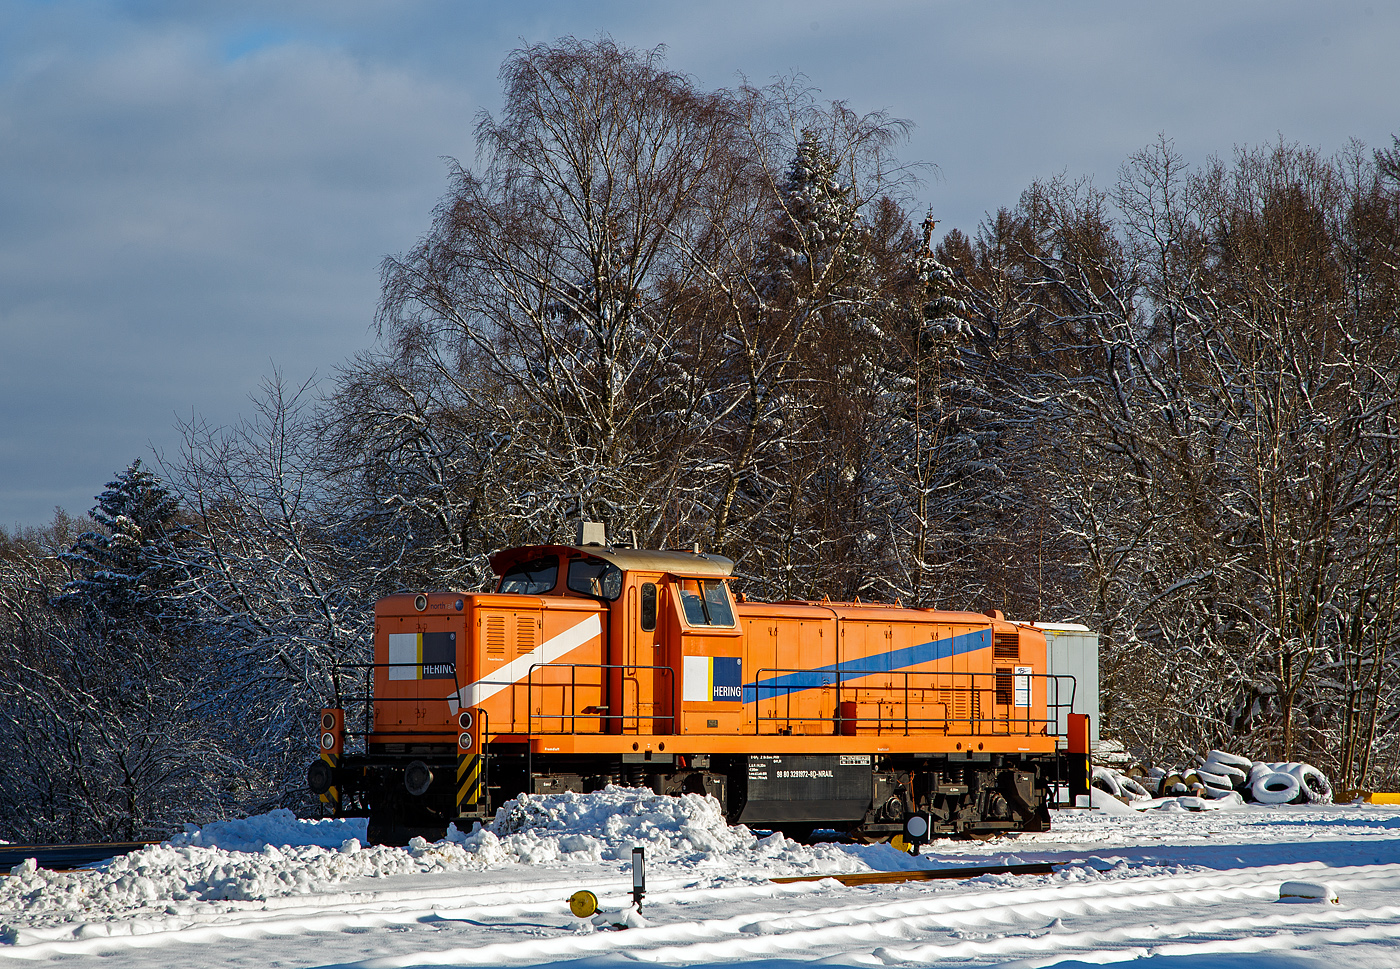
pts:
pixel 639 876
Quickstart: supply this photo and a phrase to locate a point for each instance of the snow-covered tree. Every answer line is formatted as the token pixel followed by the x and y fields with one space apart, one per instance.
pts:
pixel 548 296
pixel 284 578
pixel 103 732
pixel 125 567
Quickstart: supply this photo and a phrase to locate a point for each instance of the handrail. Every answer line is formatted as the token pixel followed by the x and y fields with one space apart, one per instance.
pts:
pixel 964 683
pixel 637 717
pixel 975 688
pixel 369 699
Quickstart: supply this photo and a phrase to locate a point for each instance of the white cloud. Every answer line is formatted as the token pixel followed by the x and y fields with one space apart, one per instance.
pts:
pixel 173 221
pixel 189 191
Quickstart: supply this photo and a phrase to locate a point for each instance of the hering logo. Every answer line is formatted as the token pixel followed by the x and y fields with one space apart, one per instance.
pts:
pixel 710 679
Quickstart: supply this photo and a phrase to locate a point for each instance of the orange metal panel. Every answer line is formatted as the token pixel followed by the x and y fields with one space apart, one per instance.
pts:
pixel 779 744
pixel 814 676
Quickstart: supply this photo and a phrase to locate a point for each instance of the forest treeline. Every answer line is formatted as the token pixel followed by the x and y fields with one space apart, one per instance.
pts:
pixel 1167 409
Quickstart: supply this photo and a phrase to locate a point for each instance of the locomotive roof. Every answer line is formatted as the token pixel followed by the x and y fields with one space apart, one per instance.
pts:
pixel 628 559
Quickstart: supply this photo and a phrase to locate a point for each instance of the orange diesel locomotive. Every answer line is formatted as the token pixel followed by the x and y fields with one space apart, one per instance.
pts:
pixel 593 665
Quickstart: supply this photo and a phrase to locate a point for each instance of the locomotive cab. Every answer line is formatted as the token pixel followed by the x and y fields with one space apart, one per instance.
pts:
pixel 592 665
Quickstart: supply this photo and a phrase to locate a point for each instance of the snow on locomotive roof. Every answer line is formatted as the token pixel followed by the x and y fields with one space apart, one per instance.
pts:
pixel 627 559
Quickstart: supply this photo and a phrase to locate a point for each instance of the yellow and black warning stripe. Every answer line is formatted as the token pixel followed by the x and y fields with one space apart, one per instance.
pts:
pixel 332 795
pixel 469 781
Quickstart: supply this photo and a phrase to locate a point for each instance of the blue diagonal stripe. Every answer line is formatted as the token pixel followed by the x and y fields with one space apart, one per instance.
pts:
pixel 855 669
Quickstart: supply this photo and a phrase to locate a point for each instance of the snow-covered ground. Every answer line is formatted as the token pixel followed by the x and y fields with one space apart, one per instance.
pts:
pixel 1167 888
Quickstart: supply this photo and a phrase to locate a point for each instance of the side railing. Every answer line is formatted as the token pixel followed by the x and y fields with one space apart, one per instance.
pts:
pixel 973 704
pixel 561 699
pixel 552 698
pixel 360 702
pixel 567 698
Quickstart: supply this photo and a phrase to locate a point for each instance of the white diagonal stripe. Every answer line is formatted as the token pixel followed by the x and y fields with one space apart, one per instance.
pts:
pixel 546 652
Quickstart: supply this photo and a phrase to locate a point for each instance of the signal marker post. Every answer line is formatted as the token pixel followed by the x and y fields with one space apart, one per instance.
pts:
pixel 639 876
pixel 471 780
pixel 916 830
pixel 332 749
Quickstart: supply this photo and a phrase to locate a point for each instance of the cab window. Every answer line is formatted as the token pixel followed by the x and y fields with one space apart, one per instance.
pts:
pixel 648 606
pixel 596 578
pixel 531 578
pixel 705 602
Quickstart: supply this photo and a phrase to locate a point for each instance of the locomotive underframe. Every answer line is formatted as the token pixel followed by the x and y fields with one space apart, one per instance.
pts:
pixel 865 797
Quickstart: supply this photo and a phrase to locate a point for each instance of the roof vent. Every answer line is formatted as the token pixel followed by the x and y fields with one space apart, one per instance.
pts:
pixel 590 533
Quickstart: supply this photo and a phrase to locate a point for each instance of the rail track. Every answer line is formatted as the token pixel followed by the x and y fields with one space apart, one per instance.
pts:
pixel 65 857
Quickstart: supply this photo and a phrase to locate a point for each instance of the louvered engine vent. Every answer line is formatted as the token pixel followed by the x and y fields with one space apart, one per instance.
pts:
pixel 1006 646
pixel 495 637
pixel 525 629
pixel 1005 688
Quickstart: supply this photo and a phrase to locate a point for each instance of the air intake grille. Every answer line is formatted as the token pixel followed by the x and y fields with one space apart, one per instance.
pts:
pixel 525 629
pixel 496 637
pixel 955 702
pixel 1006 646
pixel 1005 687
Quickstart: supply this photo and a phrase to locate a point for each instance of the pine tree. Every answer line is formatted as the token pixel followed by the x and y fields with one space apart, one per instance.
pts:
pixel 123 568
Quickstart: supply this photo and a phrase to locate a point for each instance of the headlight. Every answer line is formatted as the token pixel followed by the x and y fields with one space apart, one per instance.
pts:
pixel 327 740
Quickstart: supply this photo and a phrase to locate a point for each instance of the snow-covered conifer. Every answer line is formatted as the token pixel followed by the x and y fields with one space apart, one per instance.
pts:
pixel 123 569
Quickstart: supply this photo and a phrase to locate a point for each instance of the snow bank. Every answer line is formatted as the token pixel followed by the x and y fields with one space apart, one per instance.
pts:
pixel 179 879
pixel 278 854
pixel 279 827
pixel 687 831
pixel 1104 801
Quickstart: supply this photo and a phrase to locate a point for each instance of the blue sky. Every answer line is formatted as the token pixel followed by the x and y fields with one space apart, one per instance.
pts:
pixel 193 193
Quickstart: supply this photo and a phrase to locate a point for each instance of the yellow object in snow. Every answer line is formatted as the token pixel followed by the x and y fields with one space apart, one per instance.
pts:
pixel 583 903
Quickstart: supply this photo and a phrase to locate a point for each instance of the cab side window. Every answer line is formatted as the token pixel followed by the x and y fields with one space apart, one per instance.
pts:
pixel 694 608
pixel 705 602
pixel 531 578
pixel 595 578
pixel 717 606
pixel 648 606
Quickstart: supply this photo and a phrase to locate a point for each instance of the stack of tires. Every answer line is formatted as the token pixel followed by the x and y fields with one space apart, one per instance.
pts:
pixel 1223 774
pixel 1122 786
pixel 1293 783
pixel 1222 777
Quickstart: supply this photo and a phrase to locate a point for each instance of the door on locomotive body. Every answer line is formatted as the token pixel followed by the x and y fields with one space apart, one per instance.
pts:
pixel 966 690
pixel 569 680
pixel 506 631
pixel 792 661
pixel 817 643
pixel 921 697
pixel 640 676
pixel 1011 692
pixel 1019 654
pixel 890 674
